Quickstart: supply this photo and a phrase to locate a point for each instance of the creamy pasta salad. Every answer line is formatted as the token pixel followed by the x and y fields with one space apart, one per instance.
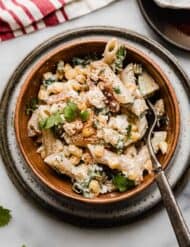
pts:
pixel 90 118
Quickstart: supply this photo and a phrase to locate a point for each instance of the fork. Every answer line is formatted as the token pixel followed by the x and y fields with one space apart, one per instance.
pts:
pixel 179 226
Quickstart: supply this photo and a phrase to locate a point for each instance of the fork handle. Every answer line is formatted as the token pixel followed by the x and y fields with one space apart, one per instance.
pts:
pixel 180 228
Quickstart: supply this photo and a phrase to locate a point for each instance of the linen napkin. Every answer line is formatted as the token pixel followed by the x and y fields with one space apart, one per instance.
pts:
pixel 19 17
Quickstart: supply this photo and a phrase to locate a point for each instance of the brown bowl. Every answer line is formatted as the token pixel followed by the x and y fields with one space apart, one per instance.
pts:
pixel 30 89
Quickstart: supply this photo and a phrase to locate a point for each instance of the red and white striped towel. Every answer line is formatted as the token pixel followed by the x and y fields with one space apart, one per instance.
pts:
pixel 19 17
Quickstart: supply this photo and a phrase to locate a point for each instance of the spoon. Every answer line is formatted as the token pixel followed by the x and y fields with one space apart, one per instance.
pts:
pixel 179 226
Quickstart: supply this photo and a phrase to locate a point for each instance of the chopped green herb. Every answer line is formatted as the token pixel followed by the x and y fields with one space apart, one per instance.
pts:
pixel 129 129
pixel 84 115
pixel 49 81
pixel 71 112
pixel 120 57
pixel 94 172
pixel 84 61
pixel 103 111
pixel 42 123
pixel 78 61
pixel 5 216
pixel 122 183
pixel 31 106
pixel 51 121
pixel 23 245
pixel 121 53
pixel 117 90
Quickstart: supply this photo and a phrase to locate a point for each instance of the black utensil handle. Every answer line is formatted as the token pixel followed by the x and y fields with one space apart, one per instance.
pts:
pixel 181 230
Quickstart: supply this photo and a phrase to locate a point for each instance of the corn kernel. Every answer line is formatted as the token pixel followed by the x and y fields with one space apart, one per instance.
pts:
pixel 132 175
pixel 74 160
pixel 78 69
pixel 134 127
pixel 75 151
pixel 113 163
pixel 70 74
pixel 43 94
pixel 94 187
pixel 67 67
pixel 76 86
pixel 80 78
pixel 82 106
pixel 99 151
pixel 88 131
pixel 82 71
pixel 135 136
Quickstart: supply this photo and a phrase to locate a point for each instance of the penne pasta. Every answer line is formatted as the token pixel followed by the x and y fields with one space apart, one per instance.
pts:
pixel 90 121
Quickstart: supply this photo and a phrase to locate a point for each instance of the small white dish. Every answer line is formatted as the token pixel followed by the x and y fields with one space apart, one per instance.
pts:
pixel 173 4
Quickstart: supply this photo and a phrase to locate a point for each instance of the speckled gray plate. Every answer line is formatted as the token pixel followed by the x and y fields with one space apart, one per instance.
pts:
pixel 70 210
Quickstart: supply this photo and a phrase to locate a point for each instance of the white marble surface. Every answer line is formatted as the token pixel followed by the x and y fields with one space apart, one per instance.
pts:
pixel 34 227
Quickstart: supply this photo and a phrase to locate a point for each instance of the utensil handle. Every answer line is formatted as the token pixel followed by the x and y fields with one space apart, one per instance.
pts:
pixel 180 228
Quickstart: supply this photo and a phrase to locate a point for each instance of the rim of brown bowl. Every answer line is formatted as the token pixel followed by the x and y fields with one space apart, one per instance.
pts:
pixel 114 196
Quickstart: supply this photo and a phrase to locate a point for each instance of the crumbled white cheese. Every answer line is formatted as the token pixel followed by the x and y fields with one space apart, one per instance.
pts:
pixel 119 123
pixel 158 139
pixel 96 97
pixel 159 107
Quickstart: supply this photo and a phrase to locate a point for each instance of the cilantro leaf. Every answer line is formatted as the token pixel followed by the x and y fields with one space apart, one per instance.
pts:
pixel 129 129
pixel 122 183
pixel 117 90
pixel 120 57
pixel 71 112
pixel 84 61
pixel 5 216
pixel 51 121
pixel 78 61
pixel 121 53
pixel 42 123
pixel 31 106
pixel 47 82
pixel 84 115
